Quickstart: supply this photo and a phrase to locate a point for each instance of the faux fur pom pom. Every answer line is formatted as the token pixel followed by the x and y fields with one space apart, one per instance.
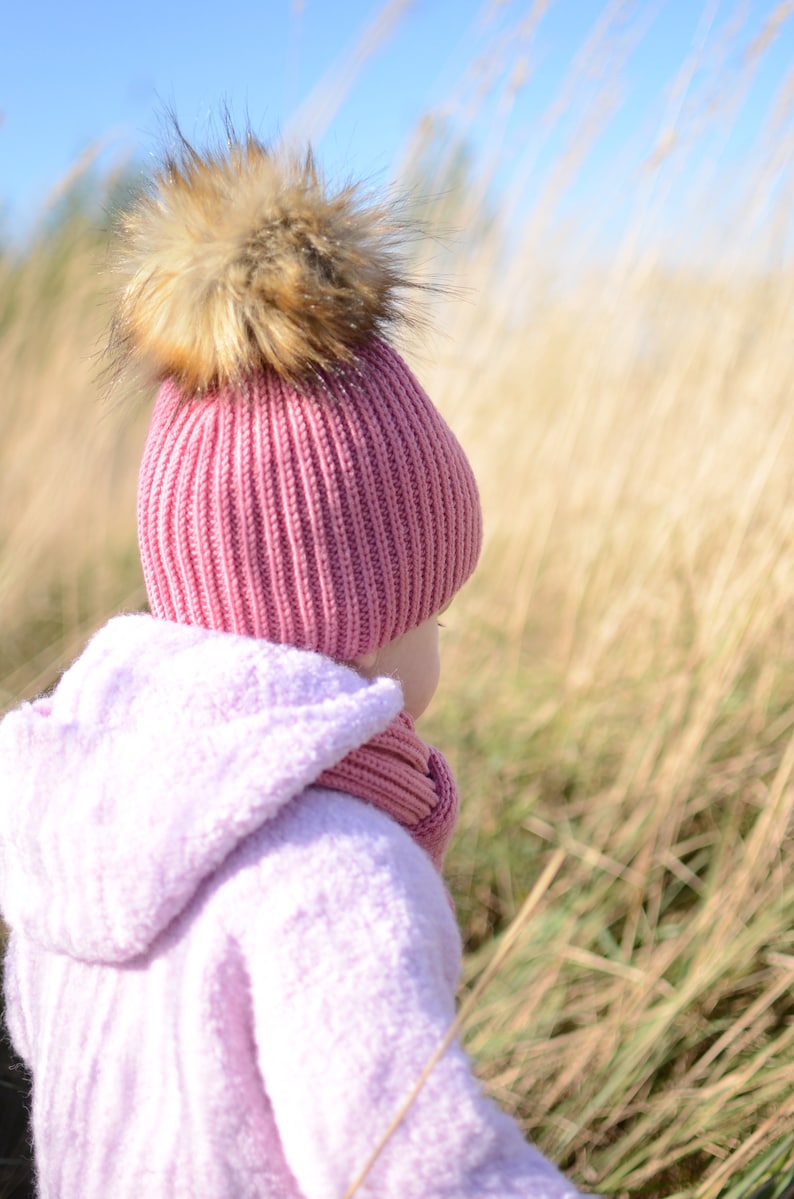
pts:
pixel 243 260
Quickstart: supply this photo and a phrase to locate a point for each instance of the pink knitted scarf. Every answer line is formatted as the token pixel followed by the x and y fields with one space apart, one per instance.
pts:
pixel 407 779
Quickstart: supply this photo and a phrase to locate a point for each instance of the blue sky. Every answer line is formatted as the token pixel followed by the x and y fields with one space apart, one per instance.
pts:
pixel 81 75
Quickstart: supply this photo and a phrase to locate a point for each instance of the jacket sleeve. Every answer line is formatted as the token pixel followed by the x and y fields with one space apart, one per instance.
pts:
pixel 353 958
pixel 14 1011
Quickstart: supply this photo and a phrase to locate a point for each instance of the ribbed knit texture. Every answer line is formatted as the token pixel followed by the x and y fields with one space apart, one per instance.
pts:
pixel 333 519
pixel 407 779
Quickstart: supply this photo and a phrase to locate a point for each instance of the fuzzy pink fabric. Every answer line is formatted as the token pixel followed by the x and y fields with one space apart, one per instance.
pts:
pixel 224 979
pixel 332 519
pixel 407 779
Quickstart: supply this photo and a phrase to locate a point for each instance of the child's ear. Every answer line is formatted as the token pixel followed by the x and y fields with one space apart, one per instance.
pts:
pixel 365 663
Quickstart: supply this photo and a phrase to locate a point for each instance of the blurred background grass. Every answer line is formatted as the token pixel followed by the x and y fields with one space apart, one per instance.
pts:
pixel 619 676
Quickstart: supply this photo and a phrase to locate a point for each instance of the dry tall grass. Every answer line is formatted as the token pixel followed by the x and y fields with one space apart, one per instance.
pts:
pixel 622 688
pixel 620 680
pixel 68 459
pixel 620 674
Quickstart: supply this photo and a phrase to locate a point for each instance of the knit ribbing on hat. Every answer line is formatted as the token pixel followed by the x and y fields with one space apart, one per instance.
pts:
pixel 332 517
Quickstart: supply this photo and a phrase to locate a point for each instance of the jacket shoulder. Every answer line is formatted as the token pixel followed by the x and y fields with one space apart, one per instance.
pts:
pixel 330 868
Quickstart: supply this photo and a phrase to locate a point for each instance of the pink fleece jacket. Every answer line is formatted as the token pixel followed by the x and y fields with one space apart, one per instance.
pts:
pixel 224 980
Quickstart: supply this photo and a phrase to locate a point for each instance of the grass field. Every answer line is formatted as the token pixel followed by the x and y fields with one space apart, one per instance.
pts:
pixel 619 676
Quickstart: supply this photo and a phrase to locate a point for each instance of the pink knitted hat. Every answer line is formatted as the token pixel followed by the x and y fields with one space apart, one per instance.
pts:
pixel 297 483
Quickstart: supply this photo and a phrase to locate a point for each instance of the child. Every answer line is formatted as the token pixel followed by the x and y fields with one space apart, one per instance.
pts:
pixel 232 953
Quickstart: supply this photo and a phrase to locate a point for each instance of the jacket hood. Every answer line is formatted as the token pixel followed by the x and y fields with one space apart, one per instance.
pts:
pixel 161 749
